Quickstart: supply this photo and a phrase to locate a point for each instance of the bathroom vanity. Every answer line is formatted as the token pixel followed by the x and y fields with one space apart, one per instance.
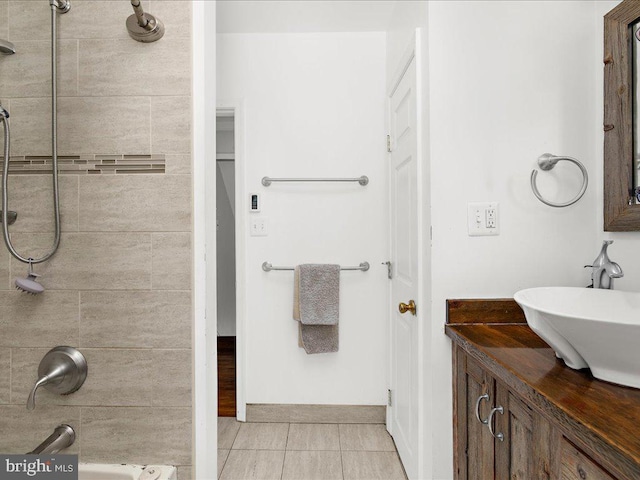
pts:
pixel 521 413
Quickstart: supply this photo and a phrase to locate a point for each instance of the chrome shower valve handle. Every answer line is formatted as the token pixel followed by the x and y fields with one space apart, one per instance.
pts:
pixel 62 370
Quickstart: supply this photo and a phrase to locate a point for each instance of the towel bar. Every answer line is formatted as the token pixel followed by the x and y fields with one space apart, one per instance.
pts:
pixel 267 267
pixel 363 180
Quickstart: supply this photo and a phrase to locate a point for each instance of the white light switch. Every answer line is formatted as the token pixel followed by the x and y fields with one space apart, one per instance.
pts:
pixel 259 227
pixel 482 219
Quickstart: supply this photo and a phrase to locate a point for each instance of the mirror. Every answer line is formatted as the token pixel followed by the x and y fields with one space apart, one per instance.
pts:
pixel 621 141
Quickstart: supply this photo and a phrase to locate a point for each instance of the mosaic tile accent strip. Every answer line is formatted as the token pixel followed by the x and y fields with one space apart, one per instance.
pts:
pixel 88 164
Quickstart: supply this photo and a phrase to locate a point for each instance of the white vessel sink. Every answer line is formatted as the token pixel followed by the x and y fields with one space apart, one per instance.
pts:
pixel 588 328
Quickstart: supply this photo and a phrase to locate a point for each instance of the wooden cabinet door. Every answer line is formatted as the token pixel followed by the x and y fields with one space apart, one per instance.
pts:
pixel 474 456
pixel 514 428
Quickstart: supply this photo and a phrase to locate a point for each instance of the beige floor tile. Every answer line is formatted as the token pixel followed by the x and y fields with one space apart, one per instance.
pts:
pixel 253 465
pixel 222 458
pixel 372 466
pixel 314 465
pixel 262 436
pixel 373 438
pixel 307 436
pixel 227 430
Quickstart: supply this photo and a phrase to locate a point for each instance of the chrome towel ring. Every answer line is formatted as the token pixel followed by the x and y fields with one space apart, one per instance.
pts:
pixel 546 162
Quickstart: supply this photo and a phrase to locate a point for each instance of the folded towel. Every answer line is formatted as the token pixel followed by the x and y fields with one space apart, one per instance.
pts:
pixel 319 294
pixel 316 307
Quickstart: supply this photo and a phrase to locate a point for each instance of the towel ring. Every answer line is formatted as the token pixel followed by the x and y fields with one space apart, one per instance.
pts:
pixel 546 162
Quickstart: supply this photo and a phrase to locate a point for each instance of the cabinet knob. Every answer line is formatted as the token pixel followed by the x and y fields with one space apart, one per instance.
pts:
pixel 500 410
pixel 478 402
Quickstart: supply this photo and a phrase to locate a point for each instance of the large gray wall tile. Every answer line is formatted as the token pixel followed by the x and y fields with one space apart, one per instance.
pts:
pixel 171 261
pixel 171 124
pixel 176 17
pixel 5 375
pixel 125 67
pixel 112 15
pixel 160 203
pixel 5 270
pixel 42 320
pixel 28 73
pixel 178 164
pixel 24 15
pixel 171 378
pixel 23 430
pixel 32 197
pixel 185 472
pixel 92 261
pixel 30 126
pixel 117 125
pixel 136 435
pixel 135 319
pixel 115 378
pixel 4 18
pixel 97 125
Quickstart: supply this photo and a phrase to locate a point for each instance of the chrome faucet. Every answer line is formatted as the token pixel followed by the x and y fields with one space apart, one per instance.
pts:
pixel 603 270
pixel 62 437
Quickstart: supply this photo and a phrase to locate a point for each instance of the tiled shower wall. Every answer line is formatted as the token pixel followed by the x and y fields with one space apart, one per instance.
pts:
pixel 119 287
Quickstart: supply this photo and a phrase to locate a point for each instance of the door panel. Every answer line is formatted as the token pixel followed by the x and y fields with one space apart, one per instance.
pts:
pixel 404 258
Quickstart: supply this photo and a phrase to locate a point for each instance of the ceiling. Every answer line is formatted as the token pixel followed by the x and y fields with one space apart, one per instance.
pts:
pixel 302 16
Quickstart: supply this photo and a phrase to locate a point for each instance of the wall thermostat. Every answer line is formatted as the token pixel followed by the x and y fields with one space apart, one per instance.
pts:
pixel 254 202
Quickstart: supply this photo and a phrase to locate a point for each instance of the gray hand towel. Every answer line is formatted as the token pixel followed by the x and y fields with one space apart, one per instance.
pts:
pixel 319 294
pixel 316 307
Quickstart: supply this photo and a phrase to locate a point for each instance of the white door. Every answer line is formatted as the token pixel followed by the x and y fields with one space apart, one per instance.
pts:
pixel 403 413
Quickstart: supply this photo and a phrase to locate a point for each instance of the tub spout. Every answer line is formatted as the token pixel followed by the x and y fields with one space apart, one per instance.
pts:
pixel 62 437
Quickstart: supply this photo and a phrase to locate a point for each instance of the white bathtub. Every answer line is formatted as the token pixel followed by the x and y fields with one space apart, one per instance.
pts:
pixel 99 471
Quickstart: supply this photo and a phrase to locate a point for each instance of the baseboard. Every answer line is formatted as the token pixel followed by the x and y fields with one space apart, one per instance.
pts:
pixel 272 413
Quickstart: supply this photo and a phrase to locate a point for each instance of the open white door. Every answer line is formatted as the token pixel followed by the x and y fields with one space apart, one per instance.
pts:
pixel 403 417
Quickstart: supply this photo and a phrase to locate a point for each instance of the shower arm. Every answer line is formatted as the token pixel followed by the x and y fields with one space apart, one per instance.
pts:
pixel 143 20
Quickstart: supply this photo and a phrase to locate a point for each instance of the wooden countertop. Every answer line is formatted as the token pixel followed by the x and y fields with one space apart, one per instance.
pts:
pixel 601 415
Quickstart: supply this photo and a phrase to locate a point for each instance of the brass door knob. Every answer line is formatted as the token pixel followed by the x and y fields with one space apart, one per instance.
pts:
pixel 404 308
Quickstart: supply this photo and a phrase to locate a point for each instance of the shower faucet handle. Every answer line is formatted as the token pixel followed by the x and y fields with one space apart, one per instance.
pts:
pixel 62 370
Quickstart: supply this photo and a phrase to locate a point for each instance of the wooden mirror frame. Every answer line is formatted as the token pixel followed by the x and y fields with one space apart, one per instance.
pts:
pixel 619 214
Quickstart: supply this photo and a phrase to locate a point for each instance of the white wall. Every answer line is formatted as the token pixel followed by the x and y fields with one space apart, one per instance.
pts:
pixel 508 82
pixel 314 107
pixel 625 247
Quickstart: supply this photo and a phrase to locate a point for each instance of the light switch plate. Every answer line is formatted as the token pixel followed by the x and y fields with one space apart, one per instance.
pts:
pixel 483 219
pixel 259 227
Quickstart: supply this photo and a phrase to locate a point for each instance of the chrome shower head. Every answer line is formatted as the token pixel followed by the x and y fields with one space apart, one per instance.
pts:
pixel 7 47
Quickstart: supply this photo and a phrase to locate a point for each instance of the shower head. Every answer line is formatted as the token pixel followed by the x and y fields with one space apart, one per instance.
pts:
pixel 29 284
pixel 7 47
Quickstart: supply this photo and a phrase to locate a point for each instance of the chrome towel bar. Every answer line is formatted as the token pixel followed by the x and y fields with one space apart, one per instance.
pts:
pixel 363 180
pixel 546 162
pixel 267 267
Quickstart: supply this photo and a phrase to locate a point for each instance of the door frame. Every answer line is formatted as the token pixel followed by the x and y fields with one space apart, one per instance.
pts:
pixel 412 53
pixel 236 108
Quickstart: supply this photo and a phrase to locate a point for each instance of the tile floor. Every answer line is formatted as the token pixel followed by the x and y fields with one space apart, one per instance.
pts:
pixel 300 451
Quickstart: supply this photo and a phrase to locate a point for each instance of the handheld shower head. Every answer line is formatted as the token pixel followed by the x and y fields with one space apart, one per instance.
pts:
pixel 7 47
pixel 29 284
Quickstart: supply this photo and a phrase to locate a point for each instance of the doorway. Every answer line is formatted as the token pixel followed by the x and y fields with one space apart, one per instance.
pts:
pixel 226 262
